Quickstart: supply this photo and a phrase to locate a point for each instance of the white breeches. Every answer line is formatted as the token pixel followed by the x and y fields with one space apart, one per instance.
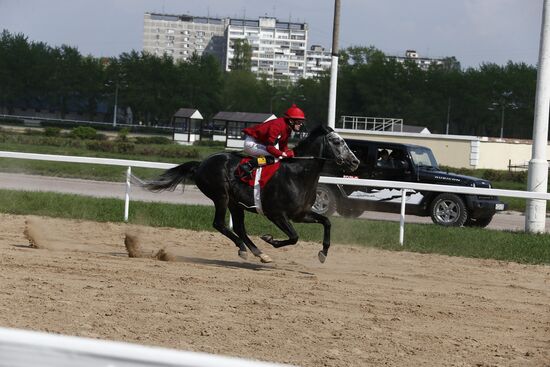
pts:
pixel 255 149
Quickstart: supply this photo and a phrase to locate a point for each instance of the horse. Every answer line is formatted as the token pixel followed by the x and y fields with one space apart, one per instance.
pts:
pixel 288 195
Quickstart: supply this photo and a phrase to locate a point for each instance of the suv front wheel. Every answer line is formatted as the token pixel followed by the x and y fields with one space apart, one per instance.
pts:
pixel 448 210
pixel 325 201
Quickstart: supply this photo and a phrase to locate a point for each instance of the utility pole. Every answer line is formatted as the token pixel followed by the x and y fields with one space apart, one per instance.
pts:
pixel 334 66
pixel 535 213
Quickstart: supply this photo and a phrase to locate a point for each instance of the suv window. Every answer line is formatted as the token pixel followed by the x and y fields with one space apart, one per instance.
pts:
pixel 391 163
pixel 423 158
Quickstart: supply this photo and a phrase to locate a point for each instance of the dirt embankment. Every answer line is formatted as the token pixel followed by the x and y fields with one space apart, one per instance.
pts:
pixel 363 307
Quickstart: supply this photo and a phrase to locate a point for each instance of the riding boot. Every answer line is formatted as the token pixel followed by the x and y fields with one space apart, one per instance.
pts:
pixel 261 161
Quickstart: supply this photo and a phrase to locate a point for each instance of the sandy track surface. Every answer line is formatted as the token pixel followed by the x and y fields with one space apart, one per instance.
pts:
pixel 363 307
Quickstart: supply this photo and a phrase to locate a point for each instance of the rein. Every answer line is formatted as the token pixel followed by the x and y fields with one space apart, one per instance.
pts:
pixel 321 148
pixel 311 157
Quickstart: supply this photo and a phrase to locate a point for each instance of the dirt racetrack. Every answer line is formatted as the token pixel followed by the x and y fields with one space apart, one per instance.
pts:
pixel 363 307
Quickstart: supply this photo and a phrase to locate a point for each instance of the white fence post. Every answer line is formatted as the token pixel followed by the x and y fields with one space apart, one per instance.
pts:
pixel 127 197
pixel 402 216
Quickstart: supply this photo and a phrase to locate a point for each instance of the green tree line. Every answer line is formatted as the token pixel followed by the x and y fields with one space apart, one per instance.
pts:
pixel 466 101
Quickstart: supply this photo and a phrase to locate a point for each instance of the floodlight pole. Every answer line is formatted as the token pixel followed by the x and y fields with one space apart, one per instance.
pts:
pixel 535 212
pixel 334 66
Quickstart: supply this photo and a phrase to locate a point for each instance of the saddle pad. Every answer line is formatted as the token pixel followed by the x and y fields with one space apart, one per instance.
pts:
pixel 267 172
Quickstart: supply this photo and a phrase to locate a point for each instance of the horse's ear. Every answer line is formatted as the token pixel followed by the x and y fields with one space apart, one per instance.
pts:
pixel 325 128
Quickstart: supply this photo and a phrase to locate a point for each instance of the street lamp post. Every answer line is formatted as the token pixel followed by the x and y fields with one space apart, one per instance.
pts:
pixel 116 104
pixel 503 103
pixel 502 120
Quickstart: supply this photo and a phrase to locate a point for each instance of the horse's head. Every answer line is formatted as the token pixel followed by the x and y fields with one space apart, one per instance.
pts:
pixel 341 152
pixel 324 142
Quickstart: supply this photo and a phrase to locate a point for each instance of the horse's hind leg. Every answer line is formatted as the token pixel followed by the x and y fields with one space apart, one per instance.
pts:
pixel 238 226
pixel 219 224
pixel 284 225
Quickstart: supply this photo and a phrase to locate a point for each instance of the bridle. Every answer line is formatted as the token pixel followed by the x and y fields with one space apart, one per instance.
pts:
pixel 326 141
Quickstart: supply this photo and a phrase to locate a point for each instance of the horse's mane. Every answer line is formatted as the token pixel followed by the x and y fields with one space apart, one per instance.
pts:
pixel 305 143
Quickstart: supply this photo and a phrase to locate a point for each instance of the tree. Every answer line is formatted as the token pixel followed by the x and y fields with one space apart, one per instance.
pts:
pixel 242 55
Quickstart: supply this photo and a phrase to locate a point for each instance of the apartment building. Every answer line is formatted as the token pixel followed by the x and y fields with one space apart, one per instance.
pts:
pixel 317 60
pixel 278 48
pixel 423 62
pixel 180 36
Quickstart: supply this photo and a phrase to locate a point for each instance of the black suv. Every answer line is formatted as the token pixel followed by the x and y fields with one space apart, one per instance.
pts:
pixel 410 163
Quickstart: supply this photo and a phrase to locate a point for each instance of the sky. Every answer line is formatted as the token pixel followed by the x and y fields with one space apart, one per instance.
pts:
pixel 473 31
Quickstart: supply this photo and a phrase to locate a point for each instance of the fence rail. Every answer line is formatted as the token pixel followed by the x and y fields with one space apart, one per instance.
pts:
pixel 403 186
pixel 21 348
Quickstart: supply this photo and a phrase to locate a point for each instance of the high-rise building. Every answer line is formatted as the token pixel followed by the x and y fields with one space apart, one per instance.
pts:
pixel 423 63
pixel 180 36
pixel 278 48
pixel 317 61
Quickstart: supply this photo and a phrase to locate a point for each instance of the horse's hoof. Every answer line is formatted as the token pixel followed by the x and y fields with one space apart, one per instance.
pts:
pixel 322 256
pixel 267 238
pixel 243 255
pixel 265 258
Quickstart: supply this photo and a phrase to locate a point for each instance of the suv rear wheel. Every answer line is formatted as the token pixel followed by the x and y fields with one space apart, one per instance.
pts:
pixel 325 201
pixel 448 210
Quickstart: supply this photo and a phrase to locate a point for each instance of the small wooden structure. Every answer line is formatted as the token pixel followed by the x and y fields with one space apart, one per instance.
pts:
pixel 187 123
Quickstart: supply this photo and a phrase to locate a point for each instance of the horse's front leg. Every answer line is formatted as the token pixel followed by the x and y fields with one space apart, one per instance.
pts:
pixel 312 217
pixel 284 225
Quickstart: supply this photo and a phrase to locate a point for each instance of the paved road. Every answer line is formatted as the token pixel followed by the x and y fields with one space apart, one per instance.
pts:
pixel 504 221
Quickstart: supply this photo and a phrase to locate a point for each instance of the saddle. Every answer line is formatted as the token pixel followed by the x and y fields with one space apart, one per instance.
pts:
pixel 249 177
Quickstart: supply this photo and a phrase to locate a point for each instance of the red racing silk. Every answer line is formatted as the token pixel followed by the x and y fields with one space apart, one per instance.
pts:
pixel 271 133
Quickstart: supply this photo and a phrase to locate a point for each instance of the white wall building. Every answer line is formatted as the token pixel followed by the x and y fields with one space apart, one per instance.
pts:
pixel 278 48
pixel 423 62
pixel 317 61
pixel 180 36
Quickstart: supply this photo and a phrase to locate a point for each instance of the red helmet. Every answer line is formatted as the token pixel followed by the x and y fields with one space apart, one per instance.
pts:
pixel 295 113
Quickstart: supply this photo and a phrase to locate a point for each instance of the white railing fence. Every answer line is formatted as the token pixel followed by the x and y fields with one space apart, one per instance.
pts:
pixel 403 186
pixel 21 348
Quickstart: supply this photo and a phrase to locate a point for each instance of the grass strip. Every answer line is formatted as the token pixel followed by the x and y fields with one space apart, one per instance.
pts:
pixel 423 238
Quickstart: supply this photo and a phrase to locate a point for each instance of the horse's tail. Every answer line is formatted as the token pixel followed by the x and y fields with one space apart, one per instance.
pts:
pixel 172 177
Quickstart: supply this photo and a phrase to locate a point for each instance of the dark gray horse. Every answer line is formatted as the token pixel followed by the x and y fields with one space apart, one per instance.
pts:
pixel 288 195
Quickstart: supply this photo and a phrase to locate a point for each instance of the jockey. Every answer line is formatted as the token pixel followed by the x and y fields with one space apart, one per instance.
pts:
pixel 269 140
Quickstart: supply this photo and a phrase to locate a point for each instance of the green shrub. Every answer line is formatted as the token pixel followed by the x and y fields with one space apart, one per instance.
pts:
pixel 87 133
pixel 29 131
pixel 153 140
pixel 122 134
pixel 168 151
pixel 209 143
pixel 124 147
pixel 52 131
pixel 100 146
